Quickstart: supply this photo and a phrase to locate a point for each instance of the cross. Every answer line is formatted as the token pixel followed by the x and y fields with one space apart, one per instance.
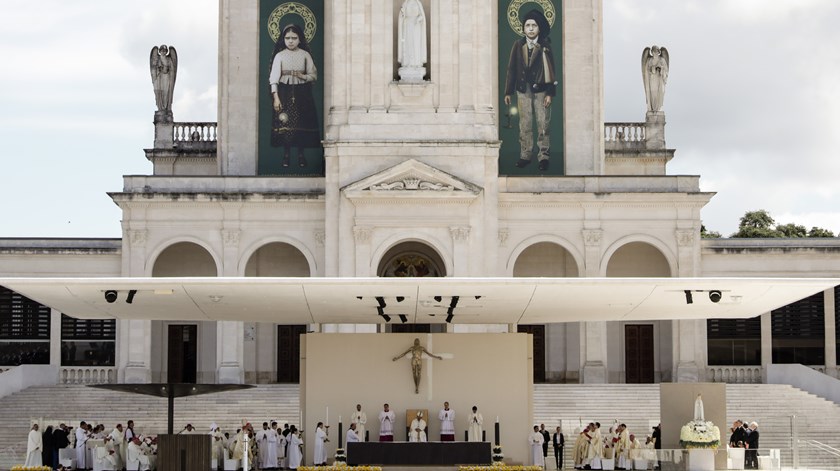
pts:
pixel 430 364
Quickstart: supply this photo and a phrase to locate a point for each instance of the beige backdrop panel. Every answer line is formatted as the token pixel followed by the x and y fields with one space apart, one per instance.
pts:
pixel 491 371
pixel 676 408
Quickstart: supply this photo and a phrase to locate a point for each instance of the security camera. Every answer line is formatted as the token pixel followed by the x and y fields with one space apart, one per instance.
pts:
pixel 111 295
pixel 714 296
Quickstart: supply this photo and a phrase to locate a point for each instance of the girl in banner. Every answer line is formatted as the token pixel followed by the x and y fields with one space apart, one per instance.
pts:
pixel 292 75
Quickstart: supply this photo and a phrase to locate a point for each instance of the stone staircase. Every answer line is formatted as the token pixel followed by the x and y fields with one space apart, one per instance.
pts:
pixel 635 405
pixel 70 404
pixel 771 405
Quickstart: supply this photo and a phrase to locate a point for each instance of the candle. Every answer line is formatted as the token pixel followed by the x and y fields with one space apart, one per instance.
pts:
pixel 339 419
pixel 328 415
pixel 497 419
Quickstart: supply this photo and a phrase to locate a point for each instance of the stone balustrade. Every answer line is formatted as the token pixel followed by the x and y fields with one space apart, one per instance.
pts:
pixel 624 132
pixel 88 375
pixel 194 132
pixel 734 374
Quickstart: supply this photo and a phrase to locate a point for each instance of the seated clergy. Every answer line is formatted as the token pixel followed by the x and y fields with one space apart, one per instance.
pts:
pixel 417 429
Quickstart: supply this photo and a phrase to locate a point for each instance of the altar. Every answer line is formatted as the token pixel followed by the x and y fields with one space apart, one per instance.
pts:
pixel 422 454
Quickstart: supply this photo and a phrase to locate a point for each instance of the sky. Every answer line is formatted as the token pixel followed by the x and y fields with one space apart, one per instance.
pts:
pixel 752 102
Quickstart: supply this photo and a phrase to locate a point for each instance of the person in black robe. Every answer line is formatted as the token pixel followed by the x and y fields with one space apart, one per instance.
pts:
pixel 558 441
pixel 60 442
pixel 546 439
pixel 656 436
pixel 751 454
pixel 47 449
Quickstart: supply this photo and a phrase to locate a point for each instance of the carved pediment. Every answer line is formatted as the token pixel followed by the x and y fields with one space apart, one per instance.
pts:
pixel 411 179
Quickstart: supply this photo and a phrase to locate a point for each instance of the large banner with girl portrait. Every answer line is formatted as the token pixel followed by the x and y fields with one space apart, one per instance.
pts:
pixel 530 87
pixel 291 88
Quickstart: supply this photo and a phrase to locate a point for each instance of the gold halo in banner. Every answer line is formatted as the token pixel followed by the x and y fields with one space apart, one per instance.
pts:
pixel 515 21
pixel 310 25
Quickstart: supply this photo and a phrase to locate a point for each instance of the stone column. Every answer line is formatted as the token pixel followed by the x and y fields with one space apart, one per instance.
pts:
pixel 766 344
pixel 230 335
pixel 688 354
pixel 460 245
pixel 361 234
pixel 830 334
pixel 136 351
pixel 593 335
pixel 230 352
pixel 593 341
pixel 689 336
pixel 134 337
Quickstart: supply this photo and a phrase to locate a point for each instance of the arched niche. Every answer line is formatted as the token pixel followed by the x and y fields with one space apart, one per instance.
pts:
pixel 184 259
pixel 411 259
pixel 545 259
pixel 638 259
pixel 278 259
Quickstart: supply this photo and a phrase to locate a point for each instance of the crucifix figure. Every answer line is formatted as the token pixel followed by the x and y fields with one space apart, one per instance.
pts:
pixel 417 352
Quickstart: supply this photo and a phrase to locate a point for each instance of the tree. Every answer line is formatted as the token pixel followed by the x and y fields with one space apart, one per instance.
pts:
pixel 706 234
pixel 792 230
pixel 820 232
pixel 756 224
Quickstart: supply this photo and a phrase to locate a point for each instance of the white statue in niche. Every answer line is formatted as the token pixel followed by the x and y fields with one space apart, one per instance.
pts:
pixel 655 63
pixel 411 41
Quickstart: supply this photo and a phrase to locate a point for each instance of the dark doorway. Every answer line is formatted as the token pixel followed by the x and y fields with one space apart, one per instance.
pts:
pixel 183 348
pixel 288 353
pixel 538 331
pixel 638 353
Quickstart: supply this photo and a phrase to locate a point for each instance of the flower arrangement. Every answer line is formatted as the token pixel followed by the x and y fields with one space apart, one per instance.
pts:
pixel 31 468
pixel 498 466
pixel 699 434
pixel 340 467
pixel 340 457
pixel 498 456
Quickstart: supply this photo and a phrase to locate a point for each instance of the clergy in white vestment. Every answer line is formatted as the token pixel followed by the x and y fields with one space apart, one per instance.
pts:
pixel 34 446
pixel 447 423
pixel 217 444
pixel 136 458
pixel 320 452
pixel 295 449
pixel 417 429
pixel 81 449
pixel 262 445
pixel 271 458
pixel 386 424
pixel 118 441
pixel 360 419
pixel 475 422
pixel 535 440
pixel 127 437
pixel 282 446
pixel 622 448
pixel 352 436
pixel 596 443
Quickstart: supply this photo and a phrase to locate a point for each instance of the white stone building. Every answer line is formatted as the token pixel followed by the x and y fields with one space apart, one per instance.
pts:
pixel 411 175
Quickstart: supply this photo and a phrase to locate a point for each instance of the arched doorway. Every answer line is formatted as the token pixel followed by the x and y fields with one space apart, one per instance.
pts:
pixel 183 362
pixel 640 259
pixel 275 259
pixel 412 259
pixel 545 259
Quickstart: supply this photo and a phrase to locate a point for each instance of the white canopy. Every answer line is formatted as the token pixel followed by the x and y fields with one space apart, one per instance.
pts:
pixel 420 300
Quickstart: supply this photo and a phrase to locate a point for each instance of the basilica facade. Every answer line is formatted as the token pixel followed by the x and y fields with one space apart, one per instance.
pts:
pixel 336 157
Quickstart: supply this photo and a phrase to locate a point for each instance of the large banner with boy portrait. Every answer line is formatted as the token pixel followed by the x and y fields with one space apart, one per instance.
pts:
pixel 530 87
pixel 291 88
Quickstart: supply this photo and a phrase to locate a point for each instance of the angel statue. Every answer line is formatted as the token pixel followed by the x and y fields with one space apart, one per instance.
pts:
pixel 655 62
pixel 163 63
